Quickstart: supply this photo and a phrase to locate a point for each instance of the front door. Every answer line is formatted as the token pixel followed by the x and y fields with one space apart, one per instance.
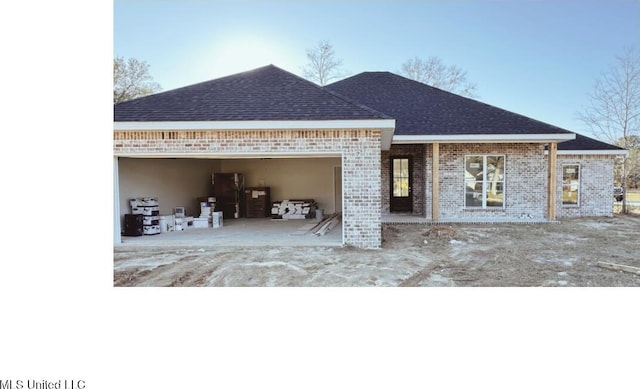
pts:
pixel 401 194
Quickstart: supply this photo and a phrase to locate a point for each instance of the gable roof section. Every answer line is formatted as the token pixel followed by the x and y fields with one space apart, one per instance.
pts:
pixel 425 113
pixel 265 94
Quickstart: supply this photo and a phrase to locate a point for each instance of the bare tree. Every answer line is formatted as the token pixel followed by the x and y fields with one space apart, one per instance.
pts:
pixel 434 72
pixel 131 79
pixel 614 111
pixel 633 163
pixel 323 66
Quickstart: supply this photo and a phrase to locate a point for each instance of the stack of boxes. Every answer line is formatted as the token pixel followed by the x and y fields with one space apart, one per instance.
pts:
pixel 182 222
pixel 149 209
pixel 204 221
pixel 208 218
pixel 167 223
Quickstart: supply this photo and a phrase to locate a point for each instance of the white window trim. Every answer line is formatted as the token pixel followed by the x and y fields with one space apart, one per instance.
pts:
pixel 577 204
pixel 484 206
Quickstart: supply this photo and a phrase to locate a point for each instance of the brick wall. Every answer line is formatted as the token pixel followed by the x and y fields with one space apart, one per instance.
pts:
pixel 596 185
pixel 360 151
pixel 524 174
pixel 525 180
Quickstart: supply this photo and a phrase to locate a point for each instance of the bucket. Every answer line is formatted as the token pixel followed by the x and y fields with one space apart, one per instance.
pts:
pixel 319 214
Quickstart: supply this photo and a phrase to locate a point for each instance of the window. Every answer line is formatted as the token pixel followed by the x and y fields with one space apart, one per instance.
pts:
pixel 570 185
pixel 400 177
pixel 484 181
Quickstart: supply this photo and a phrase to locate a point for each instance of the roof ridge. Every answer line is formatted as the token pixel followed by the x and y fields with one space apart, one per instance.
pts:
pixel 359 105
pixel 202 82
pixel 256 94
pixel 337 95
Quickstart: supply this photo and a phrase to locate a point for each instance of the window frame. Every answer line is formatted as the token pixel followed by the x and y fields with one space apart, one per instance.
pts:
pixel 485 182
pixel 579 189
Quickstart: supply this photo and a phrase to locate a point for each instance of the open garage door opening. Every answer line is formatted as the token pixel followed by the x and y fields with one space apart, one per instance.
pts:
pixel 280 201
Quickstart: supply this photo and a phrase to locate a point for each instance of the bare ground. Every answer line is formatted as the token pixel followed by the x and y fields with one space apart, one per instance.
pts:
pixel 564 254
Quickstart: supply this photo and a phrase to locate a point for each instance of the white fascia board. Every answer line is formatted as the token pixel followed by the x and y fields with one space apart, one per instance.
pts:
pixel 493 138
pixel 241 155
pixel 589 152
pixel 386 138
pixel 256 125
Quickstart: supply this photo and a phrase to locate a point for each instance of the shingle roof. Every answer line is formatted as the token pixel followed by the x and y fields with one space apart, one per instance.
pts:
pixel 266 93
pixel 420 109
pixel 270 93
pixel 585 143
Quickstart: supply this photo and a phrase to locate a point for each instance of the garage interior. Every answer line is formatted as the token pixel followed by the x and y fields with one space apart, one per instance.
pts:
pixel 184 182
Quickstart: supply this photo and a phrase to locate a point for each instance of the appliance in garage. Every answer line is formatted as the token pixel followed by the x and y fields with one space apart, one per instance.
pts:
pixel 258 201
pixel 133 224
pixel 228 189
pixel 145 211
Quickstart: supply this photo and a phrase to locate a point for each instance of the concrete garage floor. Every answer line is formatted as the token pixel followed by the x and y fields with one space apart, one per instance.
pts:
pixel 242 233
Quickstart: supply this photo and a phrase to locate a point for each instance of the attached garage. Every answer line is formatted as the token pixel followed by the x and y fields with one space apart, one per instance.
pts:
pixel 275 128
pixel 282 159
pixel 185 182
pixel 182 181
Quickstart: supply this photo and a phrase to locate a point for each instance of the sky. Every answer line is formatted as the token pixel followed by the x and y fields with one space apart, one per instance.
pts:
pixel 537 58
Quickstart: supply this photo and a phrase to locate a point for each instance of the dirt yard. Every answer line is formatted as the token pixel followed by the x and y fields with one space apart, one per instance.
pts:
pixel 564 254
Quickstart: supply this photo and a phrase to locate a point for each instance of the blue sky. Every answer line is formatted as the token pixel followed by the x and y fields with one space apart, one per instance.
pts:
pixel 536 58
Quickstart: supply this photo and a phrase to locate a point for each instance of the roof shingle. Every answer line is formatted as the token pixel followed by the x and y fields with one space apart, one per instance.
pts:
pixel 420 109
pixel 266 93
pixel 585 143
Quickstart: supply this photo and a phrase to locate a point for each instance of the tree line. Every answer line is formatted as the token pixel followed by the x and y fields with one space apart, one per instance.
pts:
pixel 132 79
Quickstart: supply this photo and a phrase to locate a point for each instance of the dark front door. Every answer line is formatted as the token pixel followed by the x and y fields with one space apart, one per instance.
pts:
pixel 401 194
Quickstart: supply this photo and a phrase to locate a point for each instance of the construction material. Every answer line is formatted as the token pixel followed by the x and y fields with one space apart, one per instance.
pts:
pixel 618 267
pixel 294 209
pixel 326 225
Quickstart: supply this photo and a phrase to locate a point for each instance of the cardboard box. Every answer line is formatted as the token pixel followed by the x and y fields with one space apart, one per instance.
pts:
pixel 216 219
pixel 201 222
pixel 151 230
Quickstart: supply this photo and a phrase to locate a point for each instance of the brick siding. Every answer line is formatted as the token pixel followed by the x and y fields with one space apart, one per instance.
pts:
pixel 524 174
pixel 596 185
pixel 360 150
pixel 525 182
pixel 366 172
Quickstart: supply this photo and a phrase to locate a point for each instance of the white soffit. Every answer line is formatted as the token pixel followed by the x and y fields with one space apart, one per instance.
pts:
pixel 484 138
pixel 256 155
pixel 589 152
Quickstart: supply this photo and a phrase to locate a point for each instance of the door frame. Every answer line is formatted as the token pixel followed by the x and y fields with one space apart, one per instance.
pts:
pixel 409 201
pixel 337 188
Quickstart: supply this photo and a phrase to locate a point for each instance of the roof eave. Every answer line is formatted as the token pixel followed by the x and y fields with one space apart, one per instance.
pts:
pixel 484 138
pixel 590 152
pixel 252 125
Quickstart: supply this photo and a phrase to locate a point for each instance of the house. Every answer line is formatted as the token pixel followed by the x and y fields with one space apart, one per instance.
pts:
pixel 372 146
